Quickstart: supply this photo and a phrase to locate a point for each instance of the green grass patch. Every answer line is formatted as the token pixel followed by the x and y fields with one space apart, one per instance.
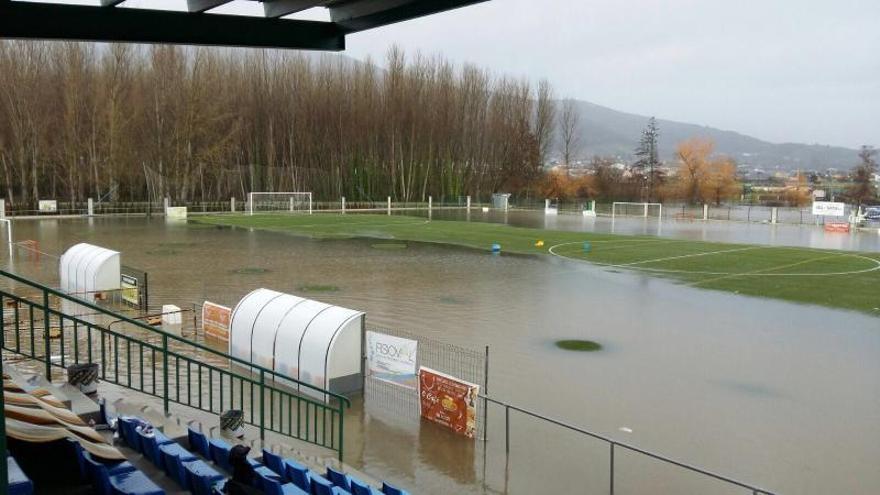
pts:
pixel 319 288
pixel 249 270
pixel 388 245
pixel 837 279
pixel 579 345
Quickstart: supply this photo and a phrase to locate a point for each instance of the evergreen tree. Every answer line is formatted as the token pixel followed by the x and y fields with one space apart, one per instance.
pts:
pixel 863 191
pixel 647 157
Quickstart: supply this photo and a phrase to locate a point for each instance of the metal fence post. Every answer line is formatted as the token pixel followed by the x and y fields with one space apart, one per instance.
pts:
pixel 48 343
pixel 611 474
pixel 165 397
pixel 341 428
pixel 263 405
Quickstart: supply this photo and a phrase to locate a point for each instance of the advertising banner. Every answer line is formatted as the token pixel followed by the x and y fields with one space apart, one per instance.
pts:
pixel 392 359
pixel 48 206
pixel 448 401
pixel 215 321
pixel 129 286
pixel 828 208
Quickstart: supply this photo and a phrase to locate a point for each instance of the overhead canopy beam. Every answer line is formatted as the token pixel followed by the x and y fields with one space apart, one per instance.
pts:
pixel 359 15
pixel 74 22
pixel 197 6
pixel 278 8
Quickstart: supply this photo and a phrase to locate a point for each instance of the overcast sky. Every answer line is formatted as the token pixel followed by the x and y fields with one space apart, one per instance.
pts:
pixel 781 70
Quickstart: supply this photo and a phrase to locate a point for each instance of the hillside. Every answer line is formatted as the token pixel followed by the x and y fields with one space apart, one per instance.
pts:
pixel 605 131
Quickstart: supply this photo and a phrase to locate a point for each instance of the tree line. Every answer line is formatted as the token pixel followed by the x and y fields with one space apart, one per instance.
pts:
pixel 127 122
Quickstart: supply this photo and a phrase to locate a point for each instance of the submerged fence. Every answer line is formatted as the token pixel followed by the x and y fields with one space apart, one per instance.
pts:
pixel 47 325
pixel 615 449
pixel 403 402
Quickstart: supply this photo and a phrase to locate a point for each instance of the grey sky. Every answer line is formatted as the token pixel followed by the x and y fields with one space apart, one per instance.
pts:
pixel 780 70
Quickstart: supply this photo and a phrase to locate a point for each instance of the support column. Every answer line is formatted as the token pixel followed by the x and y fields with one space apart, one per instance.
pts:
pixel 343 205
pixel 593 205
pixel 91 208
pixel 430 206
pixel 646 211
pixel 774 212
pixel 469 203
pixel 2 208
pixel 232 204
pixel 389 205
pixel 705 211
pixel 165 204
pixel 290 200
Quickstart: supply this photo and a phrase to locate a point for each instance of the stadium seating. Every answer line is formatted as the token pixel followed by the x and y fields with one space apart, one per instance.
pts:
pixel 339 479
pixel 19 483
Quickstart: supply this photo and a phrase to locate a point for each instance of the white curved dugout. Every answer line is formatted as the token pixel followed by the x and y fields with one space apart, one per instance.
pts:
pixel 303 339
pixel 85 269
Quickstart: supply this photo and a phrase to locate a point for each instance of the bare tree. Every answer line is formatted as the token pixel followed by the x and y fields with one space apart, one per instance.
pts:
pixel 569 131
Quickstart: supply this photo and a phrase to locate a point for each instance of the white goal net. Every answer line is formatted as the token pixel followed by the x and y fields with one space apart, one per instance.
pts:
pixel 646 210
pixel 279 202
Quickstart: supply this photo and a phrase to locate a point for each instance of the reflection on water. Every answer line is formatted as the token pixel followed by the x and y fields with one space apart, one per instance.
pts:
pixel 778 394
pixel 716 231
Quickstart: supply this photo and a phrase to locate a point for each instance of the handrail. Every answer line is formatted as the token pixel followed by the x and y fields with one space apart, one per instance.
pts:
pixel 172 336
pixel 755 490
pixel 165 381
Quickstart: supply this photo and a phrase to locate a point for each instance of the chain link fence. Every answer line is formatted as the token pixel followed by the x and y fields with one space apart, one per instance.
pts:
pixel 402 402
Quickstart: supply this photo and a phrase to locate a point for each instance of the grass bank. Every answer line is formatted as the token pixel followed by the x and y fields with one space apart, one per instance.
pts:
pixel 838 279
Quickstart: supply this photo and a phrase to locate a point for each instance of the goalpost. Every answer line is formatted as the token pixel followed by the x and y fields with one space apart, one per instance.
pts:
pixel 625 208
pixel 279 202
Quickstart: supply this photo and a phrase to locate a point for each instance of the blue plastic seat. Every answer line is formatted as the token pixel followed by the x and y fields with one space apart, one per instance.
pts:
pixel 358 487
pixel 338 478
pixel 127 426
pixel 320 485
pixel 133 483
pixel 201 477
pixel 266 477
pixel 339 491
pixel 119 479
pixel 298 474
pixel 288 489
pixel 173 456
pixel 218 451
pixel 19 483
pixel 274 462
pixel 96 471
pixel 392 490
pixel 150 443
pixel 198 443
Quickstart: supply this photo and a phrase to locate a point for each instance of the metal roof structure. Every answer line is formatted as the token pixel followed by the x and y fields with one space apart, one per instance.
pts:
pixel 195 23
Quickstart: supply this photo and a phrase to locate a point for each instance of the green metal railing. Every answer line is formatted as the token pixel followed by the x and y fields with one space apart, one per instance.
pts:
pixel 45 326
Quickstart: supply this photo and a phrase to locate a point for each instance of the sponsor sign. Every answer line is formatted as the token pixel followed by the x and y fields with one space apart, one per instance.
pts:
pixel 448 401
pixel 175 212
pixel 841 227
pixel 392 359
pixel 130 291
pixel 819 194
pixel 828 208
pixel 215 321
pixel 48 206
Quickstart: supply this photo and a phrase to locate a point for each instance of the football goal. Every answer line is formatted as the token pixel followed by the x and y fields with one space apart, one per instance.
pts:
pixel 279 202
pixel 627 209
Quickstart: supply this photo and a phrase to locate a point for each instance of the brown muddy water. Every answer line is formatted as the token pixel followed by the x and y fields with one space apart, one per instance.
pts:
pixel 780 395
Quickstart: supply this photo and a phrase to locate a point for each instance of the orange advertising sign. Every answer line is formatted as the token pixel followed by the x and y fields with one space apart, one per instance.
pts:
pixel 448 401
pixel 215 321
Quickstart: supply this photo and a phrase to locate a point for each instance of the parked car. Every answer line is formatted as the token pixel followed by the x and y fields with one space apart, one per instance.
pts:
pixel 872 213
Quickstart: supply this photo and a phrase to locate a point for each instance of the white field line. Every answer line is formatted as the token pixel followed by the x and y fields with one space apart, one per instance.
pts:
pixel 693 255
pixel 763 271
pixel 875 267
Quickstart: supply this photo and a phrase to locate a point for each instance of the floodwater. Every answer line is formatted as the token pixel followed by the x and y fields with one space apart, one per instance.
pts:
pixel 780 395
pixel 782 234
